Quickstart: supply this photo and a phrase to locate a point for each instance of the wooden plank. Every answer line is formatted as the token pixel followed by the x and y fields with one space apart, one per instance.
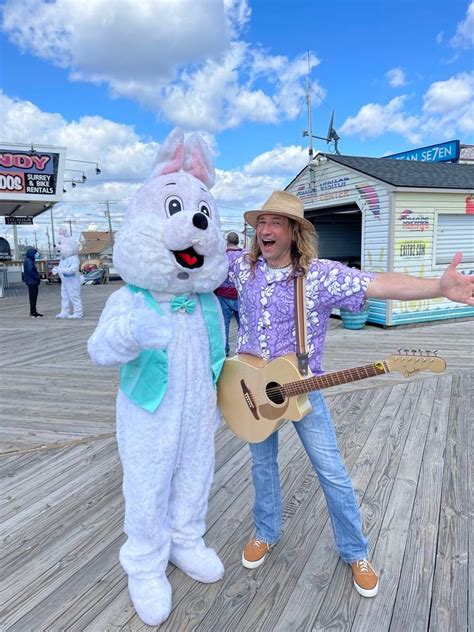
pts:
pixel 339 609
pixel 413 596
pixel 449 610
pixel 314 580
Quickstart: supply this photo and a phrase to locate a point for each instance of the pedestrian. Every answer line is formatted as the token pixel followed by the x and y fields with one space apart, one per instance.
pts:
pixel 284 246
pixel 32 279
pixel 226 293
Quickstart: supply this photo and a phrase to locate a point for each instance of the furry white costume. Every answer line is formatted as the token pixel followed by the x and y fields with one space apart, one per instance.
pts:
pixel 68 270
pixel 169 251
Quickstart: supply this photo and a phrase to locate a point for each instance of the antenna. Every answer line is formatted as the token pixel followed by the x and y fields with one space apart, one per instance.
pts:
pixel 331 123
pixel 332 134
pixel 310 114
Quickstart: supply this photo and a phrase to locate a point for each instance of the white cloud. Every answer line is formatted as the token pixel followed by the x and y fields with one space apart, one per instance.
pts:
pixel 396 77
pixel 464 37
pixel 447 112
pixel 238 15
pixel 117 147
pixel 186 65
pixel 118 41
pixel 281 160
pixel 446 96
pixel 374 119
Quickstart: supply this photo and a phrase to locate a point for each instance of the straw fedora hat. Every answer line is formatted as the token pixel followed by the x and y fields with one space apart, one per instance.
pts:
pixel 280 203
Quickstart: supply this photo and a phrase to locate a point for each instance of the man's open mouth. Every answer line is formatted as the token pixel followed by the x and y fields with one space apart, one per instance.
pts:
pixel 188 258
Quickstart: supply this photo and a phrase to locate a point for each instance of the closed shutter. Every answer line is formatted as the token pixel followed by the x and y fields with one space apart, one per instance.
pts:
pixel 455 232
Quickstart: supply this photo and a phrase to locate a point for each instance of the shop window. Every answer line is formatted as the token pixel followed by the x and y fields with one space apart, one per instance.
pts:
pixel 454 232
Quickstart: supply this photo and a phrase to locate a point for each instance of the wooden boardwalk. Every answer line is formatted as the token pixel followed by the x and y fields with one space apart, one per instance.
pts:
pixel 408 445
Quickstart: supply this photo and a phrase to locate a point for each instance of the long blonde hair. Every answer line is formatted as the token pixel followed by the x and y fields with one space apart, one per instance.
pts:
pixel 304 247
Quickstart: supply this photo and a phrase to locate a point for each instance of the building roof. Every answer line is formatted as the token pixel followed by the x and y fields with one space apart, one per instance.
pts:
pixel 94 241
pixel 410 173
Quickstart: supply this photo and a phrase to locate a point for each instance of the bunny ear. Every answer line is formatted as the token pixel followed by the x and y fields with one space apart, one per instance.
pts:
pixel 198 160
pixel 171 153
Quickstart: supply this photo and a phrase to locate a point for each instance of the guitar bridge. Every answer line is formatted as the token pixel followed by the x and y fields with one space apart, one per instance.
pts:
pixel 248 399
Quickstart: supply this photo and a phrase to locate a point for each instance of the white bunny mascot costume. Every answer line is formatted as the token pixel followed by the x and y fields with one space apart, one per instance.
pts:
pixel 68 270
pixel 165 330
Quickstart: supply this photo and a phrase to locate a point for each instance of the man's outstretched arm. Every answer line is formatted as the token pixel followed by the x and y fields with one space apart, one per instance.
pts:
pixel 452 285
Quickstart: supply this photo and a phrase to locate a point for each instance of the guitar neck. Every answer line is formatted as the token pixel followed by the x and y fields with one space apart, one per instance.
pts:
pixel 318 382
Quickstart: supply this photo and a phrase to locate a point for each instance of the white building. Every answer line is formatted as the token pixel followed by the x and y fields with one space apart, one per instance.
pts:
pixel 381 214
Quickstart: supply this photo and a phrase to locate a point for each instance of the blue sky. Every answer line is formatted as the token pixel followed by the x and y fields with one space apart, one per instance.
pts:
pixel 109 79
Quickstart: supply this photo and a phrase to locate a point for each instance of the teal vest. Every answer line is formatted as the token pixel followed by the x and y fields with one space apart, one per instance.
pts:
pixel 145 379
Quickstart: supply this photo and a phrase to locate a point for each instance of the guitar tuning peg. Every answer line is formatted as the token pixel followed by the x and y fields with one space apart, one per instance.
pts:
pixel 435 352
pixel 407 351
pixel 414 351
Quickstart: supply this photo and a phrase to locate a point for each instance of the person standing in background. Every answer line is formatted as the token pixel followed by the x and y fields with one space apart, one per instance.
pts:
pixel 32 279
pixel 226 293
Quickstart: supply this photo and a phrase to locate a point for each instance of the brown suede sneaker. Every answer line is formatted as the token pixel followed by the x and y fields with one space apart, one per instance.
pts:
pixel 366 580
pixel 255 553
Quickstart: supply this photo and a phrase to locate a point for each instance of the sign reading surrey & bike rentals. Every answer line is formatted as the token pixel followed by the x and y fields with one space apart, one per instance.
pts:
pixel 31 174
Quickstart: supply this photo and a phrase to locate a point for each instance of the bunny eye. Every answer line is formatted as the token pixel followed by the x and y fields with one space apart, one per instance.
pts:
pixel 203 208
pixel 173 204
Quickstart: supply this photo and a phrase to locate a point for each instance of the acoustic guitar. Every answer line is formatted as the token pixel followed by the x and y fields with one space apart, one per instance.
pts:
pixel 256 397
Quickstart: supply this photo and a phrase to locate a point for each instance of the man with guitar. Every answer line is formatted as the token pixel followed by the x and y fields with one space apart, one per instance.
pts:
pixel 284 247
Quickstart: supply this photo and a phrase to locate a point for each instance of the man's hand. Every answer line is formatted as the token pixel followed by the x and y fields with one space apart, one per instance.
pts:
pixel 456 286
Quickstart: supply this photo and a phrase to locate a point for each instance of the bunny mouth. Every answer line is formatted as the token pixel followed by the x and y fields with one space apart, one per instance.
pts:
pixel 188 258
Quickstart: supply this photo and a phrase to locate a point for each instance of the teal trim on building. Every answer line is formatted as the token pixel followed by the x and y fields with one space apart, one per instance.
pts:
pixel 434 314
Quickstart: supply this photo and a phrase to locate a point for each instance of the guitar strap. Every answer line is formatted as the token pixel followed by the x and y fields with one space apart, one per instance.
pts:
pixel 300 324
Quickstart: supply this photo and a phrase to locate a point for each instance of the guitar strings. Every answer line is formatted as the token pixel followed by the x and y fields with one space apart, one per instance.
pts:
pixel 282 390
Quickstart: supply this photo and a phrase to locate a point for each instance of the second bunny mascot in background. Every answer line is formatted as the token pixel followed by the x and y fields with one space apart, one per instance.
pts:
pixel 68 271
pixel 165 330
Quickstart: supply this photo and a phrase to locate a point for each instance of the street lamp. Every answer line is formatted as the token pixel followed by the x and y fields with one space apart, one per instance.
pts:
pixel 84 177
pixel 97 170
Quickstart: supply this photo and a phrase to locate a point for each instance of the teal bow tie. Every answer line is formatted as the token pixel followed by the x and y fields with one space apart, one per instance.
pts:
pixel 183 303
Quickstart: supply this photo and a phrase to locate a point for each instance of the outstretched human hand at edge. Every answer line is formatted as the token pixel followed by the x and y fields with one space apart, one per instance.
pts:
pixel 456 286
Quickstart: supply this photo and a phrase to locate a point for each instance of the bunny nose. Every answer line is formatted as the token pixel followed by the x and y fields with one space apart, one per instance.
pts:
pixel 200 221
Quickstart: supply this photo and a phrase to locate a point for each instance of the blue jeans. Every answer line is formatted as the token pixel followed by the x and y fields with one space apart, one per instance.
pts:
pixel 316 432
pixel 229 308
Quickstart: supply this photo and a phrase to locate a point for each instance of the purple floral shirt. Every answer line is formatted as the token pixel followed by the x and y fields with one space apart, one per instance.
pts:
pixel 266 305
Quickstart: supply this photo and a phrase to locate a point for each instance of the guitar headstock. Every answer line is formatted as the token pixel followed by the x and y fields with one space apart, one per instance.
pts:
pixel 409 361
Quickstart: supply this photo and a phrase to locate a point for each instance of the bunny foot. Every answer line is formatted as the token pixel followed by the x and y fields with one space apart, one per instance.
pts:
pixel 200 562
pixel 62 315
pixel 151 598
pixel 75 316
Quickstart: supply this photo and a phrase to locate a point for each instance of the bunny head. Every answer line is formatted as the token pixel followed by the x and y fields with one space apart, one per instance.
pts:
pixel 66 246
pixel 170 240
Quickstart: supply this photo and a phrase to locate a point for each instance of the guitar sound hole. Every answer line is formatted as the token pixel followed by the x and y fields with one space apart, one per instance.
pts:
pixel 275 393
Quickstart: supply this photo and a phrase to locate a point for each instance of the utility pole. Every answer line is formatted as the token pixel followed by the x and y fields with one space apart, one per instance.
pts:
pixel 52 227
pixel 107 214
pixel 36 241
pixel 69 221
pixel 16 249
pixel 49 243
